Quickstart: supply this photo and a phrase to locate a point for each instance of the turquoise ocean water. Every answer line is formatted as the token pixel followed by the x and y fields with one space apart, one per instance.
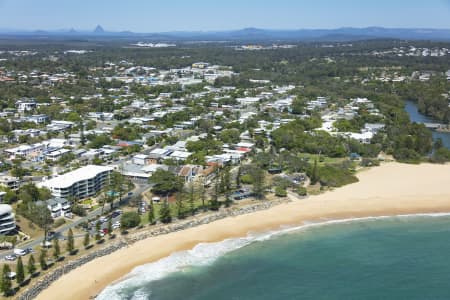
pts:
pixel 383 258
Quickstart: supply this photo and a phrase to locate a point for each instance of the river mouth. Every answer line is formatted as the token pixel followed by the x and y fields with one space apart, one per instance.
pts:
pixel 416 116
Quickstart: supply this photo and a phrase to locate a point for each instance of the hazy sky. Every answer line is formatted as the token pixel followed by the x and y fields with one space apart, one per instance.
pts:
pixel 168 15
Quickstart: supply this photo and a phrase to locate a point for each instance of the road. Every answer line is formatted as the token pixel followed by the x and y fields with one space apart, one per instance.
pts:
pixel 59 233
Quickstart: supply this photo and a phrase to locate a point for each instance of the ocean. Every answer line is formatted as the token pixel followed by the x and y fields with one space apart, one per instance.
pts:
pixel 404 257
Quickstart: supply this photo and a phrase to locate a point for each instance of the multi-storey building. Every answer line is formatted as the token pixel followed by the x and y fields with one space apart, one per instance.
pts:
pixel 7 223
pixel 81 183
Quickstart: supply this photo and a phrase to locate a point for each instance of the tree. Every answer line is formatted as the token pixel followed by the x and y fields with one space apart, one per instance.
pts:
pixel 164 212
pixel 6 285
pixel 151 214
pixel 42 217
pixel 179 198
pixel 202 192
pixel 97 231
pixel 43 259
pixel 56 249
pixel 214 202
pixel 238 177
pixel 227 179
pixel 31 265
pixel 110 229
pixel 130 219
pixel 165 182
pixel 314 173
pixel 86 240
pixel 191 198
pixel 258 177
pixel 70 241
pixel 20 272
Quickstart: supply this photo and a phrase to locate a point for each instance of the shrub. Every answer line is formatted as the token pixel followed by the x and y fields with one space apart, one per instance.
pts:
pixel 246 179
pixel 302 191
pixel 280 192
pixel 130 220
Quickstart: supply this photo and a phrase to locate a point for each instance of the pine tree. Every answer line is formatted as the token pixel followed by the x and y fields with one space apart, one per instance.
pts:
pixel 238 177
pixel 97 231
pixel 314 175
pixel 214 202
pixel 164 212
pixel 202 192
pixel 43 259
pixel 227 179
pixel 151 214
pixel 110 229
pixel 31 265
pixel 192 198
pixel 86 240
pixel 258 182
pixel 6 281
pixel 20 272
pixel 56 249
pixel 180 204
pixel 70 242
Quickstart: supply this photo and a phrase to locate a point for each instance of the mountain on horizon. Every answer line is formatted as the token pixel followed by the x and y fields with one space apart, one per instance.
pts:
pixel 99 30
pixel 252 34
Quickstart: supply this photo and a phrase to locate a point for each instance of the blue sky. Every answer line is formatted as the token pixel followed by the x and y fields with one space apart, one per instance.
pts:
pixel 169 15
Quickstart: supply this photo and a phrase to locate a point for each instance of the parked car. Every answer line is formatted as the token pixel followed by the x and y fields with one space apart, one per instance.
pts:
pixel 103 219
pixel 11 257
pixel 116 225
pixel 116 214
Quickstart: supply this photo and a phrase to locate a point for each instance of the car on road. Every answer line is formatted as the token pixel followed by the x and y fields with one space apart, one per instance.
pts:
pixel 20 252
pixel 103 219
pixel 29 250
pixel 11 257
pixel 51 235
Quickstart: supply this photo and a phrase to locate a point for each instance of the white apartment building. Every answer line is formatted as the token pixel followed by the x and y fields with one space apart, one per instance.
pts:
pixel 81 183
pixel 7 222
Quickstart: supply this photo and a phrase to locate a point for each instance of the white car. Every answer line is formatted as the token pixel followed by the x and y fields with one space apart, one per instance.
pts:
pixel 20 252
pixel 116 225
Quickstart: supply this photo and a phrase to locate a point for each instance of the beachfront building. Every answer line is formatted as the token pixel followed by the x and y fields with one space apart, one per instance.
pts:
pixel 7 223
pixel 81 183
pixel 58 207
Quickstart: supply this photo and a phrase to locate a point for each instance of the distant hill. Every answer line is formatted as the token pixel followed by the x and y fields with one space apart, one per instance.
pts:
pixel 99 30
pixel 257 34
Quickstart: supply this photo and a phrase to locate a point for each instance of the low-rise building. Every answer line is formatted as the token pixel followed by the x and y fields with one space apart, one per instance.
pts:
pixel 59 207
pixel 10 182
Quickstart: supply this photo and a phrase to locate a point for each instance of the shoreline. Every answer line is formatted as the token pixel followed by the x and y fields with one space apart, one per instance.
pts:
pixel 389 190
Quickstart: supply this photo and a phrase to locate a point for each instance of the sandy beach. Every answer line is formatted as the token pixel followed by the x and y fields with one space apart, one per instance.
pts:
pixel 390 189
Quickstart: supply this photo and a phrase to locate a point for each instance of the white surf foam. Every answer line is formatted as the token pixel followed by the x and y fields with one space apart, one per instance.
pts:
pixel 207 253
